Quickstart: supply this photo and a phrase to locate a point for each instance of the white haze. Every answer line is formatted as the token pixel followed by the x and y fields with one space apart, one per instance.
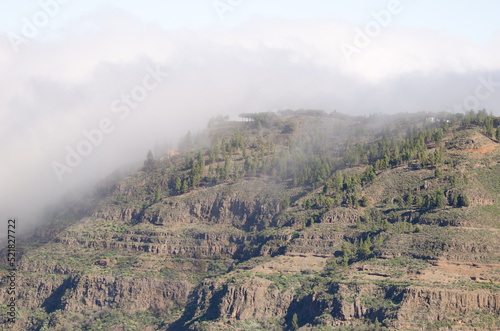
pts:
pixel 55 88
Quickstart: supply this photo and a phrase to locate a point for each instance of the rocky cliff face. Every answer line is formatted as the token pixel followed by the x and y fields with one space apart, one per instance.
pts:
pixel 212 207
pixel 344 305
pixel 130 294
pixel 243 299
pixel 448 305
pixel 87 293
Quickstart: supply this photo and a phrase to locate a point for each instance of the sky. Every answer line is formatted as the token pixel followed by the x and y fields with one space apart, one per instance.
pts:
pixel 476 20
pixel 90 86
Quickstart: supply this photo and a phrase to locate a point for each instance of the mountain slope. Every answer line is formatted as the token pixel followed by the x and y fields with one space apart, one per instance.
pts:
pixel 304 219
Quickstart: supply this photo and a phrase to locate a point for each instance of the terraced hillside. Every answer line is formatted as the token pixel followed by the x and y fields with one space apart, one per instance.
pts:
pixel 302 220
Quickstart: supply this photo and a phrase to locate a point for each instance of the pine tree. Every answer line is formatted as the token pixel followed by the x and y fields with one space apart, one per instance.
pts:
pixel 438 136
pixel 464 201
pixel 345 261
pixel 489 128
pixel 419 202
pixel 409 199
pixel 210 175
pixel 157 195
pixel 189 162
pixel 368 243
pixel 355 201
pixel 178 185
pixel 364 250
pixel 227 167
pixel 218 172
pixel 369 174
pixel 236 171
pixel 346 252
pixel 429 202
pixel 365 202
pixel 239 140
pixel 201 163
pixel 347 183
pixel 338 179
pixel 185 186
pixel 385 225
pixel 329 202
pixel 196 180
pixel 150 163
pixel 326 187
pixel 454 200
pixel 446 126
pixel 360 249
pixel 439 199
pixel 377 324
pixel 223 149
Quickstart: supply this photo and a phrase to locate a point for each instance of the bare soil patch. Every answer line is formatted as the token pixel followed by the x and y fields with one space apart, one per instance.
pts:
pixel 483 150
pixel 292 263
pixel 444 271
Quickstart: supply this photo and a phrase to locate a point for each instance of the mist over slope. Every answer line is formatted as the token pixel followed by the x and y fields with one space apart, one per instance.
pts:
pixel 73 75
pixel 297 219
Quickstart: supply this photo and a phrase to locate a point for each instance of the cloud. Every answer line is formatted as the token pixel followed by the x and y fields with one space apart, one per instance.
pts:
pixel 53 90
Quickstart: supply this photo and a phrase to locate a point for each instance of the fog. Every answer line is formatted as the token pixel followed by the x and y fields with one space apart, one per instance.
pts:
pixel 57 90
